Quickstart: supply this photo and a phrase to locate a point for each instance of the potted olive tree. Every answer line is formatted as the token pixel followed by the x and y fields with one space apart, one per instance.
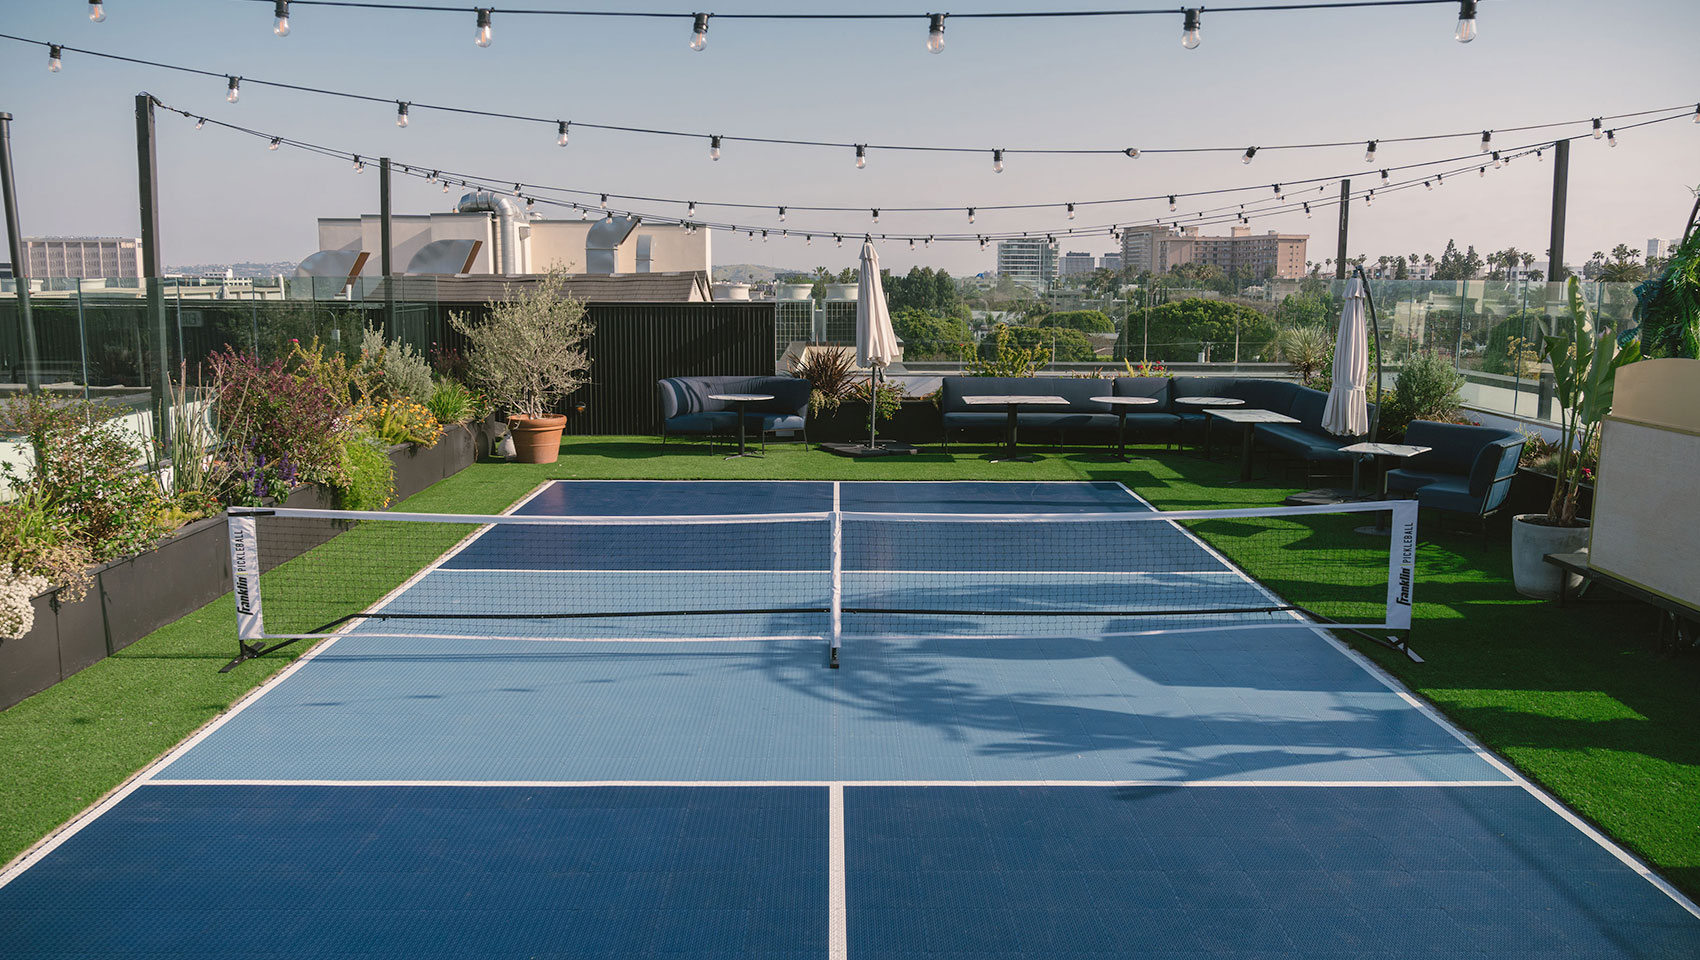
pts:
pixel 528 356
pixel 1584 370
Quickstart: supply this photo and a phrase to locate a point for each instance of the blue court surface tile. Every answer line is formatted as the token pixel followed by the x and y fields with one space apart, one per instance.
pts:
pixel 802 545
pixel 677 498
pixel 1209 706
pixel 986 496
pixel 415 872
pixel 1242 872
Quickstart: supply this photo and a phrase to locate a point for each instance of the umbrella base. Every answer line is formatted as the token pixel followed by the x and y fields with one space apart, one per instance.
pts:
pixel 860 451
pixel 1326 496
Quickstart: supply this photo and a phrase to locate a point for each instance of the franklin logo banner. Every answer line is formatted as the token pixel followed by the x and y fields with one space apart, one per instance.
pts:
pixel 1401 563
pixel 245 577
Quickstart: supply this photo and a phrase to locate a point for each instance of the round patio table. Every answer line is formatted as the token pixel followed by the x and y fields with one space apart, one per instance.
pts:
pixel 741 399
pixel 1123 405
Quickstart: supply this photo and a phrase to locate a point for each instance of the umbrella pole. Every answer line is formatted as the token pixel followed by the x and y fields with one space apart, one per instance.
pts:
pixel 873 406
pixel 1369 301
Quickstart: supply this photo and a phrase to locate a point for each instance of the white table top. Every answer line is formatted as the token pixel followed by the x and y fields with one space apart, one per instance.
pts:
pixel 740 396
pixel 1127 401
pixel 984 399
pixel 1210 401
pixel 1251 416
pixel 1386 449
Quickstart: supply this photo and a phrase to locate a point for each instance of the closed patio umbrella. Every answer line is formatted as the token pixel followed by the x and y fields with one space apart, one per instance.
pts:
pixel 1347 412
pixel 876 342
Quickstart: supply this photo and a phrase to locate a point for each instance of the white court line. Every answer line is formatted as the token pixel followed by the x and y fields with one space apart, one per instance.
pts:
pixel 836 784
pixel 1489 757
pixel 71 828
pixel 651 571
pixel 837 947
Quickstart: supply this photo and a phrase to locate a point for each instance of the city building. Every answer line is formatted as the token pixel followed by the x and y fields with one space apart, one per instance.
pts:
pixel 87 257
pixel 1110 261
pixel 1659 249
pixel 1160 249
pixel 1074 264
pixel 1031 262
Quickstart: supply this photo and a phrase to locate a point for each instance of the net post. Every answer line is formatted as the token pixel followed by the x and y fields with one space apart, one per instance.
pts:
pixel 837 586
pixel 1402 568
pixel 245 582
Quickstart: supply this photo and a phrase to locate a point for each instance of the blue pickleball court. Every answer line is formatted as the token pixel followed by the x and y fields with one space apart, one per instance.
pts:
pixel 989 786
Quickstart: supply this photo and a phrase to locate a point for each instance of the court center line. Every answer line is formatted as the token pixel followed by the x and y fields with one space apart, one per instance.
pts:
pixel 837 945
pixel 1399 689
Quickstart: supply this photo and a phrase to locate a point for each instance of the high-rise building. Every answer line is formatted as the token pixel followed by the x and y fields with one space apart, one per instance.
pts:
pixel 86 257
pixel 1031 262
pixel 1658 249
pixel 1110 261
pixel 1160 249
pixel 1074 263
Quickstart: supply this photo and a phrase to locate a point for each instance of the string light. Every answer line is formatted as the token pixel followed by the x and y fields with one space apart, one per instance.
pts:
pixel 1307 211
pixel 970 214
pixel 1429 184
pixel 1071 211
pixel 1369 152
pixel 200 122
pixel 275 142
pixel 935 33
pixel 1697 113
pixel 1276 189
pixel 55 62
pixel 1611 138
pixel 861 156
pixel 997 161
pixel 97 11
pixel 1369 198
pixel 432 178
pixel 604 201
pixel 280 10
pixel 401 113
pixel 1484 171
pixel 233 90
pixel 714 148
pixel 781 214
pixel 1384 178
pixel 359 164
pixel 1189 27
pixel 876 212
pixel 1171 203
pixel 1132 153
pixel 482 37
pixel 699 32
pixel 1487 140
pixel 691 209
pixel 1497 161
pixel 445 186
pixel 1250 152
pixel 1599 128
pixel 561 133
pixel 1466 21
pixel 838 239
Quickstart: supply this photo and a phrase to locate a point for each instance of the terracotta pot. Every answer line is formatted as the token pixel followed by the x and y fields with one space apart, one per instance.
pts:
pixel 537 439
pixel 1530 543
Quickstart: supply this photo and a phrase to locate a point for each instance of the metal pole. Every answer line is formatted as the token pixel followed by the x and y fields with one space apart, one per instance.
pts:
pixel 83 338
pixel 1345 218
pixel 147 181
pixel 20 267
pixel 1555 257
pixel 1374 325
pixel 384 265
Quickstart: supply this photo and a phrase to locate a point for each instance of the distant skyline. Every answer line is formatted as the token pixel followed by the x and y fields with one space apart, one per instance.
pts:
pixel 1350 75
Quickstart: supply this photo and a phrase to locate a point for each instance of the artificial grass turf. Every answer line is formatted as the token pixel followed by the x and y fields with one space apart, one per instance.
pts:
pixel 1577 697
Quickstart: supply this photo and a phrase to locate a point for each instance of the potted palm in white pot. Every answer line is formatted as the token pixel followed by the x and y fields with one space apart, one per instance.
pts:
pixel 1584 370
pixel 528 355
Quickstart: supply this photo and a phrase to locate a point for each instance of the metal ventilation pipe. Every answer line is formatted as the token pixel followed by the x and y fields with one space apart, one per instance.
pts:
pixel 602 243
pixel 513 228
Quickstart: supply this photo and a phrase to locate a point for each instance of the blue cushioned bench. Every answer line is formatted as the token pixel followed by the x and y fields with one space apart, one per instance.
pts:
pixel 687 410
pixel 1467 470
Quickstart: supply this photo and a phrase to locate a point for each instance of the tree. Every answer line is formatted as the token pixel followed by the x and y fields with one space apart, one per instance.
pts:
pixel 1063 344
pixel 1458 266
pixel 1179 330
pixel 929 337
pixel 1306 309
pixel 1086 321
pixel 1622 266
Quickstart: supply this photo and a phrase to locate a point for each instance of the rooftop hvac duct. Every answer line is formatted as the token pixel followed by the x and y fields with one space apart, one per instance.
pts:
pixel 513 228
pixel 445 256
pixel 604 240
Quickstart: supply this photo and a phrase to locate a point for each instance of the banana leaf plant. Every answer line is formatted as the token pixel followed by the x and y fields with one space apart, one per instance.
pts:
pixel 1584 370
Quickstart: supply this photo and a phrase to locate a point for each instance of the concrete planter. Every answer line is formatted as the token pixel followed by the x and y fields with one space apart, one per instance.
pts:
pixel 1530 542
pixel 132 597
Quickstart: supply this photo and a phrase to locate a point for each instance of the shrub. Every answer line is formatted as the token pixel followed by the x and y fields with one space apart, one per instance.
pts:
pixel 392 370
pixel 1002 356
pixel 276 425
pixel 1147 368
pixel 1307 351
pixel 1086 321
pixel 1425 389
pixel 1059 344
pixel 530 353
pixel 451 403
pixel 398 421
pixel 831 372
pixel 371 476
pixel 17 614
pixel 38 544
pixel 888 398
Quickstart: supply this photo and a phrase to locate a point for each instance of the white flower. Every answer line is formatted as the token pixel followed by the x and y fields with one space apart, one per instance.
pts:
pixel 17 615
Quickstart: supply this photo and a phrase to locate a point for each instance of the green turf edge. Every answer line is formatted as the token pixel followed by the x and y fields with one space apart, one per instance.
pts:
pixel 1577 698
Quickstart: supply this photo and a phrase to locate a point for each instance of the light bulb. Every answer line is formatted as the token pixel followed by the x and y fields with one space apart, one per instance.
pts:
pixel 861 156
pixel 935 33
pixel 482 37
pixel 1275 189
pixel 714 148
pixel 432 178
pixel 911 244
pixel 54 62
pixel 281 11
pixel 200 122
pixel 1307 211
pixel 929 241
pixel 401 113
pixel 561 131
pixel 781 214
pixel 1697 113
pixel 1071 211
pixel 516 189
pixel 970 214
pixel 234 93
pixel 1497 161
pixel 876 212
pixel 1466 21
pixel 1250 152
pixel 997 161
pixel 1482 172
pixel 699 32
pixel 1429 184
pixel 1384 178
pixel 1369 198
pixel 583 214
pixel 838 239
pixel 1171 203
pixel 604 201
pixel 691 209
pixel 1189 29
pixel 764 236
pixel 445 186
pixel 97 12
pixel 1369 152
pixel 1487 140
pixel 274 143
pixel 809 240
pixel 359 164
pixel 1611 138
pixel 1132 153
pixel 1599 128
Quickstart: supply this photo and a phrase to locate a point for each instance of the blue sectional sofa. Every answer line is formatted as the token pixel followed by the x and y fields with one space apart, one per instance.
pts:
pixel 1468 469
pixel 1164 422
pixel 687 410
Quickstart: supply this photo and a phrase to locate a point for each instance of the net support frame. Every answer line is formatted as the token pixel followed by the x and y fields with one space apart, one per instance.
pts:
pixel 252 636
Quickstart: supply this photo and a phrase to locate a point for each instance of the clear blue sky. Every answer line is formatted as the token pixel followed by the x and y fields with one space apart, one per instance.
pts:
pixel 1257 78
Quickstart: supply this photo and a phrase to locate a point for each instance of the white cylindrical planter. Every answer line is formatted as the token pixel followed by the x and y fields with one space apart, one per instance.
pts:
pixel 1530 543
pixel 795 291
pixel 842 291
pixel 731 291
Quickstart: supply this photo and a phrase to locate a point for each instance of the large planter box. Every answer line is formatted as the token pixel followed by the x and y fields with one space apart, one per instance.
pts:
pixel 1531 492
pixel 133 597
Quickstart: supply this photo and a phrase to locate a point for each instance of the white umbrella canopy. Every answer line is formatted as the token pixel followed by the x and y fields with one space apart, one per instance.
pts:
pixel 876 343
pixel 1347 411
